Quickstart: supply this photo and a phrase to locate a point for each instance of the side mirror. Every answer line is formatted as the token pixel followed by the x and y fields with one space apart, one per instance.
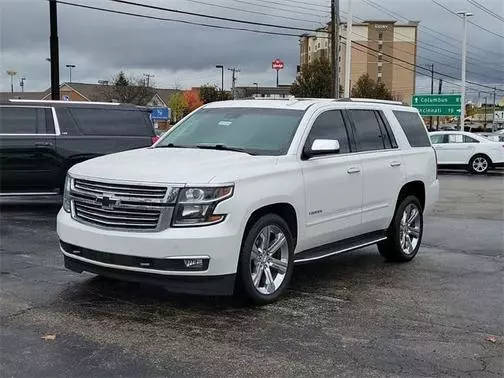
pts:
pixel 322 147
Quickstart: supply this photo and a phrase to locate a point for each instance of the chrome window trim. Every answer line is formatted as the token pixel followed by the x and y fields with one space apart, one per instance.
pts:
pixel 55 120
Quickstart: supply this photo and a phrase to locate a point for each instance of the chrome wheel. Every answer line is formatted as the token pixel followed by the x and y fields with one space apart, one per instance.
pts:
pixel 480 164
pixel 269 259
pixel 409 229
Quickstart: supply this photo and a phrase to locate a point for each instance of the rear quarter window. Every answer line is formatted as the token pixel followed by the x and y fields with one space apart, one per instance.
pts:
pixel 112 122
pixel 413 127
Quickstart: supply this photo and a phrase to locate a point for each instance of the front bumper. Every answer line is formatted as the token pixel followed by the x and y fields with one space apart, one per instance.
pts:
pixel 207 285
pixel 220 243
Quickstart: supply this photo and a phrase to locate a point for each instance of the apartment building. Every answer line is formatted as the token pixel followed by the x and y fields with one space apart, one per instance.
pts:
pixel 386 50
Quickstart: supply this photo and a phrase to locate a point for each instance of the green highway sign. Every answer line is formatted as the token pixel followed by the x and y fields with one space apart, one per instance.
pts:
pixel 437 105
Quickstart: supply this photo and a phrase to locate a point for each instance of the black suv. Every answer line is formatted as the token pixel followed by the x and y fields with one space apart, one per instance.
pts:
pixel 41 140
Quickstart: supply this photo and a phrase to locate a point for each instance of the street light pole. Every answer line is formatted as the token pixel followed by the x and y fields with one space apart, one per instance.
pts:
pixel 222 79
pixel 70 66
pixel 11 73
pixel 464 55
pixel 21 84
pixel 348 50
pixel 335 46
pixel 257 87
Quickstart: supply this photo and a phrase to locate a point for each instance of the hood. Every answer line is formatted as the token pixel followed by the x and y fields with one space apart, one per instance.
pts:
pixel 171 165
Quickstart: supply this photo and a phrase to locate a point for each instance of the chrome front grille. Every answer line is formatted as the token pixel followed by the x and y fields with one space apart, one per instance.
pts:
pixel 121 190
pixel 121 206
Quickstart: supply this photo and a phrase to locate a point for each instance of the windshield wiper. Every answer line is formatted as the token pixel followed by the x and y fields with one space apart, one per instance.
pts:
pixel 223 147
pixel 171 145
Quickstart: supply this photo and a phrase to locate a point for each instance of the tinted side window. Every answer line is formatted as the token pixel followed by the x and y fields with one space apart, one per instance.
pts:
pixel 439 138
pixel 330 125
pixel 468 139
pixel 413 128
pixel 367 130
pixel 112 122
pixel 386 131
pixel 19 120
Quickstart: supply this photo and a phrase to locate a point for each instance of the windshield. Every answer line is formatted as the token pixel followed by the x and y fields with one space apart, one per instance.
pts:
pixel 256 131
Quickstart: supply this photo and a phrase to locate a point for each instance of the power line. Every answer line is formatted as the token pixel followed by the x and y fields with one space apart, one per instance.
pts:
pixel 470 22
pixel 242 29
pixel 250 11
pixel 429 30
pixel 486 10
pixel 177 21
pixel 268 5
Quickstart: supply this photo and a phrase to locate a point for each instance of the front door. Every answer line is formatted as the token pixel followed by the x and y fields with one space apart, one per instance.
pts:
pixel 333 184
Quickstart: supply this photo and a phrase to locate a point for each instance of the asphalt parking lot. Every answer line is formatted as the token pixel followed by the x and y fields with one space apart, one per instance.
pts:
pixel 352 315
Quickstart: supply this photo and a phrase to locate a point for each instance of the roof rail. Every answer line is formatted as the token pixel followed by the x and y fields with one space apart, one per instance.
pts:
pixel 66 102
pixel 371 100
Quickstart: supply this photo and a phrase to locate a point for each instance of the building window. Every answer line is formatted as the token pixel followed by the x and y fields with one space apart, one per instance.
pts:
pixel 380 35
pixel 379 69
pixel 380 47
pixel 378 80
pixel 379 75
pixel 380 64
pixel 380 57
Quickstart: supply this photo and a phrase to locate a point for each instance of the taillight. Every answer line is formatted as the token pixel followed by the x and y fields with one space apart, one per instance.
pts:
pixel 154 139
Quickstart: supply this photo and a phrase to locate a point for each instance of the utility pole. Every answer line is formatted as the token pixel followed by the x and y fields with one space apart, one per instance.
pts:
pixel 335 23
pixel 222 79
pixel 464 55
pixel 493 110
pixel 70 66
pixel 11 73
pixel 432 90
pixel 440 89
pixel 234 70
pixel 348 51
pixel 148 76
pixel 21 84
pixel 485 110
pixel 53 41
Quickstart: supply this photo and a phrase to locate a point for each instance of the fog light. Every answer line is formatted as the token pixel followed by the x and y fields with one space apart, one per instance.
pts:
pixel 193 263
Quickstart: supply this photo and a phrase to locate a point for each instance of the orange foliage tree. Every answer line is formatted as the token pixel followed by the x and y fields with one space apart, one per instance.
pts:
pixel 193 99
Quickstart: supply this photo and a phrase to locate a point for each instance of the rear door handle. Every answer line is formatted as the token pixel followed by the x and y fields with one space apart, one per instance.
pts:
pixel 395 163
pixel 353 170
pixel 43 144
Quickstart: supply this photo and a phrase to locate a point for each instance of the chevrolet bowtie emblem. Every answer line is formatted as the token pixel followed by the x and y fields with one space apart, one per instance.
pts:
pixel 108 203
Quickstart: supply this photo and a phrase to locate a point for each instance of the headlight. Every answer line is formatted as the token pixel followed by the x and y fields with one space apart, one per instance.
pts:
pixel 66 193
pixel 195 206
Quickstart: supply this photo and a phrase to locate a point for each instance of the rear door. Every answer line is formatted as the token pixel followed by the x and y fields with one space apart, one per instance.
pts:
pixel 458 150
pixel 382 169
pixel 28 160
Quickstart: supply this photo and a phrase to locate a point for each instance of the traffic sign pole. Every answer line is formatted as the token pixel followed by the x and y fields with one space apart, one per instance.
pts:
pixel 464 54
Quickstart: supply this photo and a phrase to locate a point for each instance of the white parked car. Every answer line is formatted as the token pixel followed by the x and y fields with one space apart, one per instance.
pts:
pixel 477 153
pixel 239 191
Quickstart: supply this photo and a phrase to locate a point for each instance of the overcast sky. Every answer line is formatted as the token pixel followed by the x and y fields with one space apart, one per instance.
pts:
pixel 100 44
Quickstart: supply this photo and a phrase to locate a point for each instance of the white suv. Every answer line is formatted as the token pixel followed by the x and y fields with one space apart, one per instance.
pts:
pixel 239 191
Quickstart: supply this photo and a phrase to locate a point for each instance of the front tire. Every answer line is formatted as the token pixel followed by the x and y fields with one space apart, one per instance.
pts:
pixel 266 259
pixel 404 235
pixel 479 164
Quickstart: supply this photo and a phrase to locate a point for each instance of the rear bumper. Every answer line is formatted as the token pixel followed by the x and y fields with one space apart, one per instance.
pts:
pixel 201 285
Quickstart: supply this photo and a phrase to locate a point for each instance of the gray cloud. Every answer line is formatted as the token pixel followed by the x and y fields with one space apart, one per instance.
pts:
pixel 101 44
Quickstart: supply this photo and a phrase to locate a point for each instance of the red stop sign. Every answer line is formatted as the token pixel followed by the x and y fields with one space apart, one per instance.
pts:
pixel 277 64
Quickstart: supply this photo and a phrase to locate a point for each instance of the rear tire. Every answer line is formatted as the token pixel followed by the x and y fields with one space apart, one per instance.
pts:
pixel 404 235
pixel 479 164
pixel 266 259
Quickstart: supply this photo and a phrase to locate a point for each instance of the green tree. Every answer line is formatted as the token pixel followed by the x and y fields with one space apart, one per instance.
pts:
pixel 178 105
pixel 314 80
pixel 210 93
pixel 366 87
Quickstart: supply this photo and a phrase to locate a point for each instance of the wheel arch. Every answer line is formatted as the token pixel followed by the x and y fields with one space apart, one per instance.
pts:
pixel 480 154
pixel 416 188
pixel 283 209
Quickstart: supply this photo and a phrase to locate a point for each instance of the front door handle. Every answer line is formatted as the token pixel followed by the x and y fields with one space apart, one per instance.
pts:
pixel 43 144
pixel 395 163
pixel 353 170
